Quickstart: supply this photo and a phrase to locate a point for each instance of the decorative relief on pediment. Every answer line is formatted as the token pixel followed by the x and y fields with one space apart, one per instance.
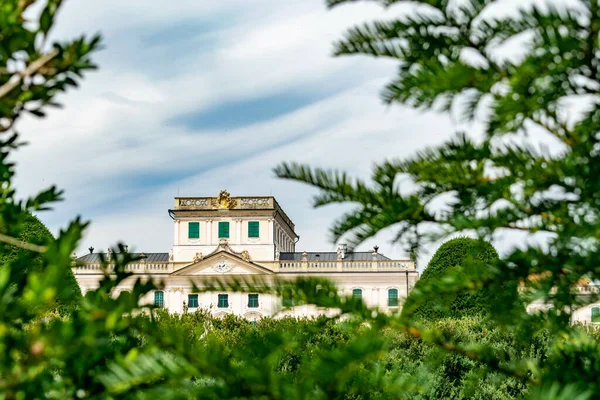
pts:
pixel 222 266
pixel 198 257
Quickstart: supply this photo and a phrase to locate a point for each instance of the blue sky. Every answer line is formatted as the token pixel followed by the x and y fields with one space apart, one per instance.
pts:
pixel 197 96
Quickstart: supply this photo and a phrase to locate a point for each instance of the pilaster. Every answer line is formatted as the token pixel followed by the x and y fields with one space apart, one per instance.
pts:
pixel 239 230
pixel 209 231
pixel 270 230
pixel 176 233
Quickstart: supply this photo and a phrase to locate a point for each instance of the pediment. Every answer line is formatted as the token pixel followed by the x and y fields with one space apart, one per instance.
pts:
pixel 222 263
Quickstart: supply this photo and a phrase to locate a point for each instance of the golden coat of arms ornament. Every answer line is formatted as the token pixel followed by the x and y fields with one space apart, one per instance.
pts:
pixel 223 200
pixel 245 255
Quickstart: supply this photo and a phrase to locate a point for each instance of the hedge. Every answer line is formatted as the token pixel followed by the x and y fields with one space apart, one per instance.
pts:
pixel 32 230
pixel 456 252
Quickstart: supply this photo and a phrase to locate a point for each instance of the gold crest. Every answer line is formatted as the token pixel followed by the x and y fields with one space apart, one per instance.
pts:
pixel 245 255
pixel 224 200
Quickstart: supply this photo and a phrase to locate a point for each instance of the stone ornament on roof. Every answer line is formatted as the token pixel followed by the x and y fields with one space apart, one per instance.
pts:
pixel 198 257
pixel 341 252
pixel 223 200
pixel 245 255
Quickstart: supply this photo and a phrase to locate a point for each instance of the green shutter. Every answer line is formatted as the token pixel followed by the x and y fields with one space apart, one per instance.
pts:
pixel 223 229
pixel 357 293
pixel 253 229
pixel 192 300
pixel 595 314
pixel 159 298
pixel 193 230
pixel 393 298
pixel 223 301
pixel 253 300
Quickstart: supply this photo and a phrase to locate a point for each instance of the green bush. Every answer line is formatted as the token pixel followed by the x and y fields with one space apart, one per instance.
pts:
pixel 429 370
pixel 31 230
pixel 456 253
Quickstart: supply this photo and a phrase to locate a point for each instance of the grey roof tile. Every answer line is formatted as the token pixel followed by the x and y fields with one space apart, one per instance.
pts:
pixel 330 256
pixel 150 257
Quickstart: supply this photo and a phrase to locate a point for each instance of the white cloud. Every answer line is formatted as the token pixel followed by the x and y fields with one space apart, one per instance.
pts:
pixel 118 124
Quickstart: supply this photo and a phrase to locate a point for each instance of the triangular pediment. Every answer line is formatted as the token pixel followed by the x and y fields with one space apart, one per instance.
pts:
pixel 222 263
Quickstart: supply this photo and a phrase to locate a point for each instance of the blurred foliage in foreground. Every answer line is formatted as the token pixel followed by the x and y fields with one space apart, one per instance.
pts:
pixel 106 347
pixel 529 74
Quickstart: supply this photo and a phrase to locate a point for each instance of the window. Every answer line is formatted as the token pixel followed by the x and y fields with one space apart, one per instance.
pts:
pixel 595 314
pixel 393 298
pixel 253 230
pixel 223 301
pixel 159 298
pixel 253 300
pixel 286 299
pixel 223 229
pixel 193 230
pixel 192 300
pixel 357 293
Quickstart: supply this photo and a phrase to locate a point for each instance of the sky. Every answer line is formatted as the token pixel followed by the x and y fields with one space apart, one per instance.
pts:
pixel 196 96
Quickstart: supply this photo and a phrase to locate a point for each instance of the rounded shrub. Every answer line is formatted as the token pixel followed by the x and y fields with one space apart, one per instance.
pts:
pixel 32 230
pixel 454 253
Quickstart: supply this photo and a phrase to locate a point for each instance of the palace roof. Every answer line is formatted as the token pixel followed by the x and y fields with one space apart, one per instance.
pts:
pixel 331 256
pixel 149 257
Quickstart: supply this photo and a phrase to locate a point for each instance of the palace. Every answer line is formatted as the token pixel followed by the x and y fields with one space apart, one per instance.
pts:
pixel 233 237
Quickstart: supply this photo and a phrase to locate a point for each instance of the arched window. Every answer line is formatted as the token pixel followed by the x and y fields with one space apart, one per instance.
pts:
pixel 159 298
pixel 357 293
pixel 223 301
pixel 595 314
pixel 392 297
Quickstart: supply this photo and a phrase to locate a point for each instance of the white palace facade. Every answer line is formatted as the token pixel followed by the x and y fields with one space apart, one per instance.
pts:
pixel 228 237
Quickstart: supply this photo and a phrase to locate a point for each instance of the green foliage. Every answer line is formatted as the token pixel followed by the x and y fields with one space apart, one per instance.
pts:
pixel 35 232
pixel 113 347
pixel 287 351
pixel 453 56
pixel 456 253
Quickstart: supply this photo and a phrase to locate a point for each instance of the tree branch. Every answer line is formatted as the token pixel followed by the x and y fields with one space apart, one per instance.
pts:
pixel 30 70
pixel 19 243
